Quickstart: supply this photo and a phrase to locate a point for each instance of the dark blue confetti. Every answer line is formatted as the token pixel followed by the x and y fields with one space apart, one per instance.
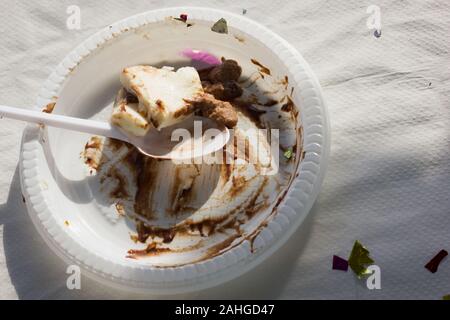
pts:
pixel 377 33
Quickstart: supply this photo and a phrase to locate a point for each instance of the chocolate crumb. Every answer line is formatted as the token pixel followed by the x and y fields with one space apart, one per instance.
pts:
pixel 120 209
pixel 49 107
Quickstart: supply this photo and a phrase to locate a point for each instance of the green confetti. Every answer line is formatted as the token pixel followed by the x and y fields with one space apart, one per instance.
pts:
pixel 359 258
pixel 446 297
pixel 220 26
pixel 288 153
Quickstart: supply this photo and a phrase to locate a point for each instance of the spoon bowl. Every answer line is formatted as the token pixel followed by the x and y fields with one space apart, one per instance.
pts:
pixel 192 138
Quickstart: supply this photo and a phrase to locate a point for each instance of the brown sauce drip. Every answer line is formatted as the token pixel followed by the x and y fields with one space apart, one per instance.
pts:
pixel 120 191
pixel 151 249
pixel 144 232
pixel 180 196
pixel 270 103
pixel 285 82
pixel 218 248
pixel 262 69
pixel 239 185
pixel 146 172
pixel 252 208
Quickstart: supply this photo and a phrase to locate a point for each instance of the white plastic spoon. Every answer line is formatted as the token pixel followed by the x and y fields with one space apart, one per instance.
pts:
pixel 185 140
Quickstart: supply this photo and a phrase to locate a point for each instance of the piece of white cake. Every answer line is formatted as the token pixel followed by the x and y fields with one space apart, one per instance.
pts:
pixel 126 115
pixel 162 93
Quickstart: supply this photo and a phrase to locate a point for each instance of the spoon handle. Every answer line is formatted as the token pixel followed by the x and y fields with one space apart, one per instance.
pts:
pixel 70 123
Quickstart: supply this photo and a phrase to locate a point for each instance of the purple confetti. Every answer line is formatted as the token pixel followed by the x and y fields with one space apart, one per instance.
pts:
pixel 433 264
pixel 339 263
pixel 202 57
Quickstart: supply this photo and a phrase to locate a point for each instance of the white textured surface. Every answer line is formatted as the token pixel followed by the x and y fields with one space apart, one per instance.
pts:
pixel 388 179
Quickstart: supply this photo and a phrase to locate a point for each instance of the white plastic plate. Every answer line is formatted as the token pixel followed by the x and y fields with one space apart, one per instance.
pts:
pixel 85 82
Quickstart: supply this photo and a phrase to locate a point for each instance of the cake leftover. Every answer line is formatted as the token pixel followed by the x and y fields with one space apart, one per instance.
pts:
pixel 160 97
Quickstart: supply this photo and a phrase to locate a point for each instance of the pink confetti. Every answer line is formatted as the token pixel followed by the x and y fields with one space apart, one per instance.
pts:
pixel 201 56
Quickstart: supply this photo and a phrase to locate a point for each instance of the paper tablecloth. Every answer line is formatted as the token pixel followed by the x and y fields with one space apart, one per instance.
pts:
pixel 388 182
